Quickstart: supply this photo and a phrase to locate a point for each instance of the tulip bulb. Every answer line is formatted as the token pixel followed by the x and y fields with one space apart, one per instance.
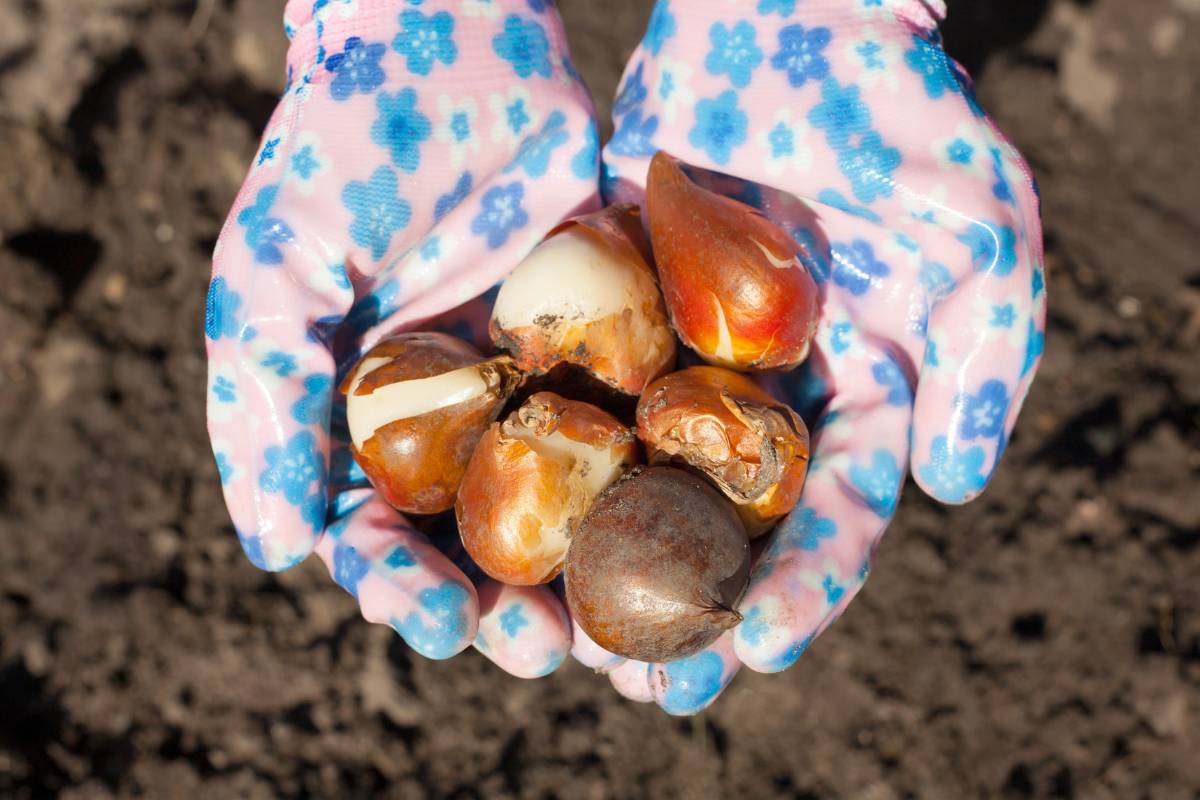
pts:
pixel 658 566
pixel 586 296
pixel 416 405
pixel 532 479
pixel 733 284
pixel 723 424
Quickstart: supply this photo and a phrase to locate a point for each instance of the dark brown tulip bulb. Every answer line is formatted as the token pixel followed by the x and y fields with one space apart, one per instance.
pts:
pixel 657 566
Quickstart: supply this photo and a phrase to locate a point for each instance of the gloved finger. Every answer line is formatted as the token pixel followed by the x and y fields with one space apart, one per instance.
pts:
pixel 986 333
pixel 269 381
pixel 690 685
pixel 523 629
pixel 632 681
pixel 590 654
pixel 818 554
pixel 401 580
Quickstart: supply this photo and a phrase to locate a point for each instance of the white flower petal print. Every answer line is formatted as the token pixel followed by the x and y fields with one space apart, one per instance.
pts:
pixel 481 8
pixel 457 127
pixel 672 88
pixel 785 144
pixel 964 149
pixel 876 59
pixel 515 116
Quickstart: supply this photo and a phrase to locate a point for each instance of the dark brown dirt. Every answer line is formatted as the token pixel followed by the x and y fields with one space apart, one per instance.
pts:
pixel 1043 642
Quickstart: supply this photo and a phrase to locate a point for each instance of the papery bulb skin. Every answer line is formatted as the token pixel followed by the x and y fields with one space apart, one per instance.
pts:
pixel 416 405
pixel 723 424
pixel 587 296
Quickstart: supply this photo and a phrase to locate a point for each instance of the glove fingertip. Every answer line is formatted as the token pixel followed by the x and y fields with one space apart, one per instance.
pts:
pixel 753 656
pixel 524 630
pixel 262 554
pixel 954 470
pixel 632 681
pixel 689 685
pixel 452 629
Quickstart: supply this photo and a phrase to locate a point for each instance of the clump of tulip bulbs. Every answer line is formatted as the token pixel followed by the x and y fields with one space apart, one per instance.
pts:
pixel 655 558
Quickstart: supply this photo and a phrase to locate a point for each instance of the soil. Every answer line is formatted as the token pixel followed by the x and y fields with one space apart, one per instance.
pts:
pixel 1041 642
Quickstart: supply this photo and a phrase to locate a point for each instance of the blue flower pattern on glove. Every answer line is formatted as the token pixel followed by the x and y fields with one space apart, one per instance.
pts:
pixel 878 482
pixel 937 280
pixel 993 247
pixel 888 375
pixel 293 468
pixel 1034 346
pixel 356 68
pixel 305 163
pixel 512 620
pixel 869 167
pixel 634 135
pixel 221 318
pixel 425 40
pixel 692 682
pixel 805 529
pixel 379 212
pixel 983 413
pixel 783 8
pixel 500 214
pixel 524 45
pixel 264 232
pixel 660 28
pixel 857 268
pixel 534 153
pixel 583 165
pixel 733 53
pixel 452 199
pixel 841 113
pixel 835 199
pixel 632 94
pixel 224 390
pixel 928 60
pixel 444 605
pixel 952 474
pixel 281 363
pixel 313 407
pixel 401 128
pixel 224 467
pixel 400 558
pixel 720 126
pixel 800 54
pixel 349 568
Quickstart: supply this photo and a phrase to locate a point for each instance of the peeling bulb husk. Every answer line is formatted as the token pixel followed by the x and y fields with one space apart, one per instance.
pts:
pixel 587 296
pixel 732 280
pixel 416 405
pixel 724 425
pixel 532 479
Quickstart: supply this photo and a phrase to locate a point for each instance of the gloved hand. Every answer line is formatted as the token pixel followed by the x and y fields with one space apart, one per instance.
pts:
pixel 419 152
pixel 845 121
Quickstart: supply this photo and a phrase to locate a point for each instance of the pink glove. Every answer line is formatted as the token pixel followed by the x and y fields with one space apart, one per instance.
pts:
pixel 844 121
pixel 420 151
